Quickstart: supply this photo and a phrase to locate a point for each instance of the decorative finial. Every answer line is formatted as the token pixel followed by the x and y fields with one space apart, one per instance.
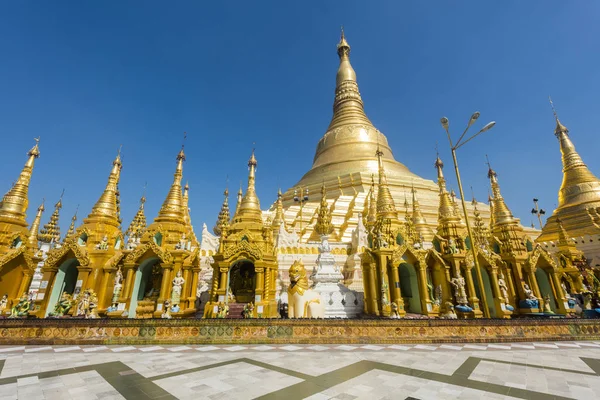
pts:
pixel 343 47
pixel 491 172
pixel 553 109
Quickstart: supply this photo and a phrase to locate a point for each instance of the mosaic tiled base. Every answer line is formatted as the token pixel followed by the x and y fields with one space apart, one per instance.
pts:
pixel 536 371
pixel 227 331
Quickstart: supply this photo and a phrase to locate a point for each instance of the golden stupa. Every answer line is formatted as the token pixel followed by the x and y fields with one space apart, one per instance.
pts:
pixel 579 195
pixel 346 162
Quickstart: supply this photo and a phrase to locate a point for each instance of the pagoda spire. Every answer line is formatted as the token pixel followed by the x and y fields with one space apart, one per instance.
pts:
pixel 35 226
pixel 14 203
pixel 491 203
pixel 449 223
pixel 50 233
pixel 323 226
pixel 187 217
pixel 173 207
pixel 278 219
pixel 418 220
pixel 502 214
pixel 224 217
pixel 138 224
pixel 107 207
pixel 578 181
pixel 238 204
pixel 385 203
pixel 480 232
pixel 71 229
pixel 250 205
pixel 348 105
pixel 371 217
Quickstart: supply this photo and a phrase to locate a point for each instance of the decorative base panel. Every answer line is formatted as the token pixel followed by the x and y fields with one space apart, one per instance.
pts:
pixel 279 331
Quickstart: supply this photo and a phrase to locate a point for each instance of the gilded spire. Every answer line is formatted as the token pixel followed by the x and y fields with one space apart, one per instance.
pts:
pixel 50 233
pixel 224 217
pixel 491 203
pixel 238 204
pixel 385 203
pixel 323 226
pixel 480 232
pixel 418 219
pixel 14 203
pixel 187 217
pixel 278 219
pixel 250 206
pixel 579 184
pixel 502 214
pixel 173 206
pixel 35 226
pixel 371 216
pixel 138 224
pixel 348 105
pixel 107 207
pixel 72 226
pixel 446 207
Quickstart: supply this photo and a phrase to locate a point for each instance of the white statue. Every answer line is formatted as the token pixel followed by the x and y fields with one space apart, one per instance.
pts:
pixel 287 239
pixel 503 287
pixel 528 292
pixel 459 289
pixel 178 282
pixel 302 302
pixel 209 241
pixel 118 285
pixel 103 245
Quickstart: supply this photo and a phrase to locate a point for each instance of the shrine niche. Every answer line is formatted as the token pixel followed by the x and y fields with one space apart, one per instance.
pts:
pixel 242 281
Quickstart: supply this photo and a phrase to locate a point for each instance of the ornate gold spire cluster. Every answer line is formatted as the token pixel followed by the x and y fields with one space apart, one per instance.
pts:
pixel 191 235
pixel 418 220
pixel 323 226
pixel 502 214
pixel 224 217
pixel 278 219
pixel 481 233
pixel 249 208
pixel 172 209
pixel 35 226
pixel 14 203
pixel 449 222
pixel 385 203
pixel 106 208
pixel 138 224
pixel 370 216
pixel 50 233
pixel 71 229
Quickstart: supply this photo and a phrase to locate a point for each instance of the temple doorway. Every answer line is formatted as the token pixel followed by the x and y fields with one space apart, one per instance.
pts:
pixel 545 286
pixel 146 288
pixel 489 294
pixel 242 281
pixel 65 281
pixel 409 286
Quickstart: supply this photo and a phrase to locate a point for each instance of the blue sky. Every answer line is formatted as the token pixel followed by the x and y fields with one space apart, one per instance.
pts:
pixel 90 76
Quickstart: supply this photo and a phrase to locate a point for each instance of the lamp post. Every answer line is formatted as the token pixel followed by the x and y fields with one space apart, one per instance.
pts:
pixel 301 199
pixel 453 148
pixel 538 211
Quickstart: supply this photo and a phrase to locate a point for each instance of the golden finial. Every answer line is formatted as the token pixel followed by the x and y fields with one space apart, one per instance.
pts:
pixel 249 207
pixel 560 128
pixel 323 226
pixel 173 208
pixel 278 218
pixel 491 173
pixel 343 46
pixel 50 233
pixel 223 218
pixel 138 224
pixel 107 206
pixel 15 202
pixel 35 226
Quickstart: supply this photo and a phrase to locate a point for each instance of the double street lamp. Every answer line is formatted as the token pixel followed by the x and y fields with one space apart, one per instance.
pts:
pixel 453 148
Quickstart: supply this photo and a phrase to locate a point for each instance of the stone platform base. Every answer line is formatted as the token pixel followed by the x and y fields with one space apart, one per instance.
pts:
pixel 280 331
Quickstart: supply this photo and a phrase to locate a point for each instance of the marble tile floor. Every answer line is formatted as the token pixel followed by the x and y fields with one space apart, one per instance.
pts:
pixel 562 370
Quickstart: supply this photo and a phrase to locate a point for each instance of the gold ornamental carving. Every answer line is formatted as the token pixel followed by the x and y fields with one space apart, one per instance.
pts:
pixel 14 253
pixel 55 255
pixel 164 256
pixel 243 246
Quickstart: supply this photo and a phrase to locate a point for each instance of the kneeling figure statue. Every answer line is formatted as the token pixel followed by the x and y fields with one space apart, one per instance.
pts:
pixel 302 302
